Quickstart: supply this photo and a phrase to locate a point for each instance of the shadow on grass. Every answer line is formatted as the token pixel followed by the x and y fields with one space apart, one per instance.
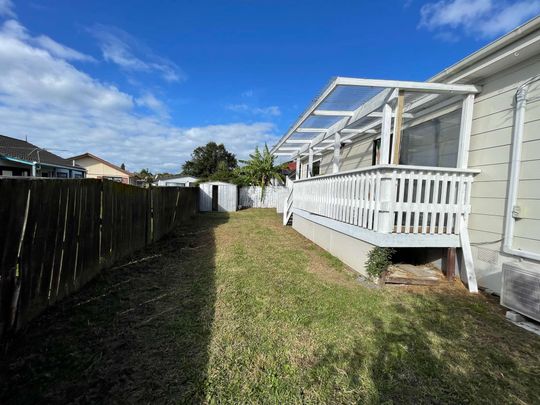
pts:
pixel 138 333
pixel 442 348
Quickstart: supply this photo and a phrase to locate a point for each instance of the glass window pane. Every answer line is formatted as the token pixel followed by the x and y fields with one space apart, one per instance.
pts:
pixel 433 143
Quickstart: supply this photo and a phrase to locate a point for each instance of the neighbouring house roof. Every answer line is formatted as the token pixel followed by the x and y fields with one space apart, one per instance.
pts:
pixel 91 156
pixel 25 151
pixel 176 177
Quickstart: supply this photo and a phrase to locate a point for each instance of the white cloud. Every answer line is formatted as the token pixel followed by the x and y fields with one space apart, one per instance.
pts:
pixel 122 49
pixel 148 100
pixel 272 111
pixel 57 106
pixel 481 18
pixel 62 51
pixel 7 9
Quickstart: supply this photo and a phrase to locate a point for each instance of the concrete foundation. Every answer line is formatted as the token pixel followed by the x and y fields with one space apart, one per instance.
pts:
pixel 351 251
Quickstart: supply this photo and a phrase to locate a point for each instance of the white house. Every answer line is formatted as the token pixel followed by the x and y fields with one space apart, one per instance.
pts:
pixel 177 181
pixel 453 162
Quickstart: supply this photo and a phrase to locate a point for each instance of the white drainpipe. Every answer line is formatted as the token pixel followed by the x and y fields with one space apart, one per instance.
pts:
pixel 515 167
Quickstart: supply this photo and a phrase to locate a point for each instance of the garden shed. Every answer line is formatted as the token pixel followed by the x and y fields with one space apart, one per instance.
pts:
pixel 218 196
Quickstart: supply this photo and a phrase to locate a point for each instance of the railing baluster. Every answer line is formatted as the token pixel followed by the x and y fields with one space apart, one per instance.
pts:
pixel 417 205
pixel 443 206
pixel 427 198
pixel 409 206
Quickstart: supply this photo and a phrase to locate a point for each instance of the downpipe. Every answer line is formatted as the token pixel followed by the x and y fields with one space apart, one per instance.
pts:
pixel 515 168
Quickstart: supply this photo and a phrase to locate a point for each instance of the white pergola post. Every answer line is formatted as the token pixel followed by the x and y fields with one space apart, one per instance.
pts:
pixel 385 134
pixel 386 215
pixel 298 166
pixel 465 131
pixel 337 153
pixel 310 162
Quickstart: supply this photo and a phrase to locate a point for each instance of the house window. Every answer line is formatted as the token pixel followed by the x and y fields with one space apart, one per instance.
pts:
pixel 61 175
pixel 7 173
pixel 113 178
pixel 316 168
pixel 77 176
pixel 432 143
pixel 376 151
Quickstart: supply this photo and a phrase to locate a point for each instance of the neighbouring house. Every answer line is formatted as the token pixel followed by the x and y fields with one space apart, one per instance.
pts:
pixel 449 163
pixel 98 168
pixel 21 158
pixel 177 181
pixel 218 196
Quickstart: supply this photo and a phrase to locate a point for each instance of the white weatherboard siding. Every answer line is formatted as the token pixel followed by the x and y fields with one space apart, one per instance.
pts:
pixel 490 151
pixel 353 156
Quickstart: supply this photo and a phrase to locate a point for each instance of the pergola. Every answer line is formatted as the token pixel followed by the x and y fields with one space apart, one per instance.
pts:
pixel 349 108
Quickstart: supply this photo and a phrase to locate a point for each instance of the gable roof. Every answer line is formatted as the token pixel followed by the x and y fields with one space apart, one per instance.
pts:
pixel 89 155
pixel 22 150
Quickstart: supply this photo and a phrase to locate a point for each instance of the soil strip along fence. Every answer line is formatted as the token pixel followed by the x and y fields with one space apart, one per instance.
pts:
pixel 56 235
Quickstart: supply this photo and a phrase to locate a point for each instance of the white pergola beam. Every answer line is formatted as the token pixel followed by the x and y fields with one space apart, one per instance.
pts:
pixel 310 129
pixel 374 114
pixel 289 141
pixel 422 87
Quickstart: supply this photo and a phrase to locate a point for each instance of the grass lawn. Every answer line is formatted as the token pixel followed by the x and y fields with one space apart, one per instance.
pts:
pixel 239 309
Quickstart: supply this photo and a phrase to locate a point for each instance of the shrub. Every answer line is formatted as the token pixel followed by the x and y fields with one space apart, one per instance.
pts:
pixel 379 258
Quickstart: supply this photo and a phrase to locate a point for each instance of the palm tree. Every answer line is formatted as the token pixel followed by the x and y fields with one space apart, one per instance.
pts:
pixel 260 169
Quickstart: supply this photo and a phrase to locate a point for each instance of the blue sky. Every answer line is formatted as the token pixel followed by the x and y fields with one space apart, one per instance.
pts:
pixel 144 82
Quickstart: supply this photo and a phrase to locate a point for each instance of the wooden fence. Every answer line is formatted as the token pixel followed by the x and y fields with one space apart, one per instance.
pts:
pixel 274 196
pixel 56 235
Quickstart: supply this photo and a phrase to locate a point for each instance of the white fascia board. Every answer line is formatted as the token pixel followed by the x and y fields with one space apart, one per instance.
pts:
pixel 423 87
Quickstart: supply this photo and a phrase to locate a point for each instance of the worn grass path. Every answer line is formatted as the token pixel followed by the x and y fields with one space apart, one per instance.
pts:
pixel 238 309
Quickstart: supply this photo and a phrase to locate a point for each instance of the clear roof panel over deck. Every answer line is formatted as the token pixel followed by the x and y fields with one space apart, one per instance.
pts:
pixel 354 106
pixel 348 98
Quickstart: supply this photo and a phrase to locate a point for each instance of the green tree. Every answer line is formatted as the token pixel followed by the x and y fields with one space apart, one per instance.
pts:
pixel 260 170
pixel 146 175
pixel 210 160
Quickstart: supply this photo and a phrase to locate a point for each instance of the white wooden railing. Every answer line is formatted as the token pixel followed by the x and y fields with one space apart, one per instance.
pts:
pixel 390 198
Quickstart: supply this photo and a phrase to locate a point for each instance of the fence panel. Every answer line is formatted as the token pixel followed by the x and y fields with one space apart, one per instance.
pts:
pixel 274 197
pixel 58 234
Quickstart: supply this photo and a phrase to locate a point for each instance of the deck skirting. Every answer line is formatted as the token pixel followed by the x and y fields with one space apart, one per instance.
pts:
pixel 399 240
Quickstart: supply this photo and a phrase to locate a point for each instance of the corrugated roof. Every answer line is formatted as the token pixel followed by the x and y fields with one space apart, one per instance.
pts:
pixel 23 150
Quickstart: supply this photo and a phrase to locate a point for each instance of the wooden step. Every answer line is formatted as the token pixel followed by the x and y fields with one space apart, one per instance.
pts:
pixel 413 275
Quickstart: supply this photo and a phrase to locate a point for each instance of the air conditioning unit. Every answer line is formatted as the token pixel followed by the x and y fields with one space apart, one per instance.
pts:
pixel 521 289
